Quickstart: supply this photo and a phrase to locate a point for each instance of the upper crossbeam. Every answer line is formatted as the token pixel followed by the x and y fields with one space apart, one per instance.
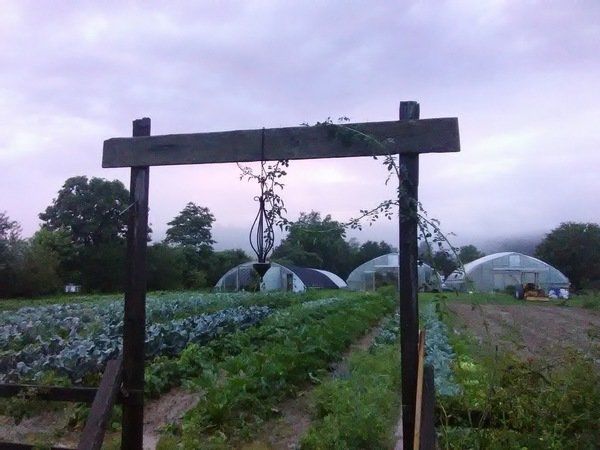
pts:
pixel 321 141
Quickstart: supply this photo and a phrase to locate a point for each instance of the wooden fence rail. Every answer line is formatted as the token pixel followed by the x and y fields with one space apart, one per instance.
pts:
pixel 102 399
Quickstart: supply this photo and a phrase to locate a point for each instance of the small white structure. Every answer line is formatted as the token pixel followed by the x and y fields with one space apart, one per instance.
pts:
pixel 384 270
pixel 501 270
pixel 72 288
pixel 277 278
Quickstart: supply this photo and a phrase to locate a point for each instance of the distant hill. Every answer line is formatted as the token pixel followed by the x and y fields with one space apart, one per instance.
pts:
pixel 521 244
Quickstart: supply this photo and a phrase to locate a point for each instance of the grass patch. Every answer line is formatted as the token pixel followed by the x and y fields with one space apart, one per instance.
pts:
pixel 510 403
pixel 476 298
pixel 587 300
pixel 360 410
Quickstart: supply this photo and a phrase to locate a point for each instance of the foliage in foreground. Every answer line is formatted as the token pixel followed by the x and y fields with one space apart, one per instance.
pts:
pixel 358 411
pixel 507 403
pixel 75 340
pixel 244 375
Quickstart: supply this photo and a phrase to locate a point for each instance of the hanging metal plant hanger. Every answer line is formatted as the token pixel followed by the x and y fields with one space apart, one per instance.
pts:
pixel 261 235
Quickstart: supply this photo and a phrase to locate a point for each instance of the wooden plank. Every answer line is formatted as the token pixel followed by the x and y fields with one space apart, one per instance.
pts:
pixel 408 279
pixel 411 136
pixel 101 410
pixel 419 395
pixel 17 446
pixel 428 435
pixel 49 393
pixel 135 303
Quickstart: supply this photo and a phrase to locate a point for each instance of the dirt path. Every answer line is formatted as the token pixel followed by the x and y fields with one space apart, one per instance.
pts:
pixel 52 426
pixel 167 409
pixel 531 330
pixel 285 431
pixel 40 428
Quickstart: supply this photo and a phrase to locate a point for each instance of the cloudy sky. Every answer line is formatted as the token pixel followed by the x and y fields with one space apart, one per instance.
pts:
pixel 523 78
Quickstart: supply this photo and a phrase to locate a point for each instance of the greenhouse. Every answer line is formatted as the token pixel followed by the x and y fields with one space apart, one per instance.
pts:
pixel 278 278
pixel 502 271
pixel 383 270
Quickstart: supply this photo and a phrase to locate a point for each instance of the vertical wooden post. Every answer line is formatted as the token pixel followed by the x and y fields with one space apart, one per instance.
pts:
pixel 428 436
pixel 408 280
pixel 134 331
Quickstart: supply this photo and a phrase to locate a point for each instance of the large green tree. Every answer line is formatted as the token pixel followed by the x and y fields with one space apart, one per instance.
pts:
pixel 441 259
pixel 573 248
pixel 11 253
pixel 221 262
pixel 166 267
pixel 468 253
pixel 26 267
pixel 372 249
pixel 316 242
pixel 10 234
pixel 89 210
pixel 192 228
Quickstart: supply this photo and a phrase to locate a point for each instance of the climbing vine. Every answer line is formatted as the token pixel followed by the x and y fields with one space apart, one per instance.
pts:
pixel 429 228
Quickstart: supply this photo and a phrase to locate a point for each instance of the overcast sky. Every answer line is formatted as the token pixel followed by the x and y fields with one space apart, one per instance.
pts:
pixel 523 78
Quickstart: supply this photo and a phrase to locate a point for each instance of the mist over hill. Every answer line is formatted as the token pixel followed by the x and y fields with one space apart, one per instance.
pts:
pixel 522 244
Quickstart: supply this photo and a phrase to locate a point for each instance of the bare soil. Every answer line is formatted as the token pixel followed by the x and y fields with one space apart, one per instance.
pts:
pixel 166 410
pixel 530 330
pixel 51 427
pixel 41 428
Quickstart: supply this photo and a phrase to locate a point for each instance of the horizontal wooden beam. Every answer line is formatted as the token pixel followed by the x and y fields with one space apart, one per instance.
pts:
pixel 51 393
pixel 17 446
pixel 321 141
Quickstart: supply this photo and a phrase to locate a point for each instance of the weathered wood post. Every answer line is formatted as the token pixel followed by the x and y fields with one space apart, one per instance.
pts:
pixel 134 331
pixel 428 436
pixel 408 278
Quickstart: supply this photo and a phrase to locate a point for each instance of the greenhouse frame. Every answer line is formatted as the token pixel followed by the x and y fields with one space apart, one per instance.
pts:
pixel 278 278
pixel 502 271
pixel 383 270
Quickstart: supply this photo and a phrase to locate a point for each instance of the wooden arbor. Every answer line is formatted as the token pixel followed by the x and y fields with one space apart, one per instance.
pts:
pixel 407 137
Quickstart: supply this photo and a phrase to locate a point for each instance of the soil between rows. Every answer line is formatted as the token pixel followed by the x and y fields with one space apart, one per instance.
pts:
pixel 532 331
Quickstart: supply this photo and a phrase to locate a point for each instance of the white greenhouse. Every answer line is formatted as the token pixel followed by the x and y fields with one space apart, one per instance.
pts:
pixel 383 270
pixel 278 278
pixel 500 271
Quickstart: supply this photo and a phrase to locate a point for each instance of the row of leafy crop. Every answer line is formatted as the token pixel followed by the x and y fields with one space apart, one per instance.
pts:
pixel 29 325
pixel 75 340
pixel 244 375
pixel 360 410
pixel 505 402
pixel 438 351
pixel 79 357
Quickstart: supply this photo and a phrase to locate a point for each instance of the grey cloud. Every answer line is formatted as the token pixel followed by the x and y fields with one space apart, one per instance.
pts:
pixel 521 76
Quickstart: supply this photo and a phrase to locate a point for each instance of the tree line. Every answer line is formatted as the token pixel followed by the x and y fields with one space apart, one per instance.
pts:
pixel 81 240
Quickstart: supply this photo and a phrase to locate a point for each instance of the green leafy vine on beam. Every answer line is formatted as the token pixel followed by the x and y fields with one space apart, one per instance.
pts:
pixel 430 230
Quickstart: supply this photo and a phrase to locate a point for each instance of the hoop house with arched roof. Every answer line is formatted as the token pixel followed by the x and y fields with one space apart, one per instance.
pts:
pixel 384 270
pixel 278 278
pixel 507 269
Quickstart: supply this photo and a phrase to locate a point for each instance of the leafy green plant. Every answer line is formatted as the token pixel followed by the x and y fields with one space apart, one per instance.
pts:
pixel 510 403
pixel 244 375
pixel 359 410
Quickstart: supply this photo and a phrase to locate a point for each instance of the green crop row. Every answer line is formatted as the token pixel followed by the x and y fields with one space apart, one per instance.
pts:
pixel 358 411
pixel 244 375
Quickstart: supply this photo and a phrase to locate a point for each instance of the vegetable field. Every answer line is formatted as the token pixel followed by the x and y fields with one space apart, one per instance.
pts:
pixel 318 370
